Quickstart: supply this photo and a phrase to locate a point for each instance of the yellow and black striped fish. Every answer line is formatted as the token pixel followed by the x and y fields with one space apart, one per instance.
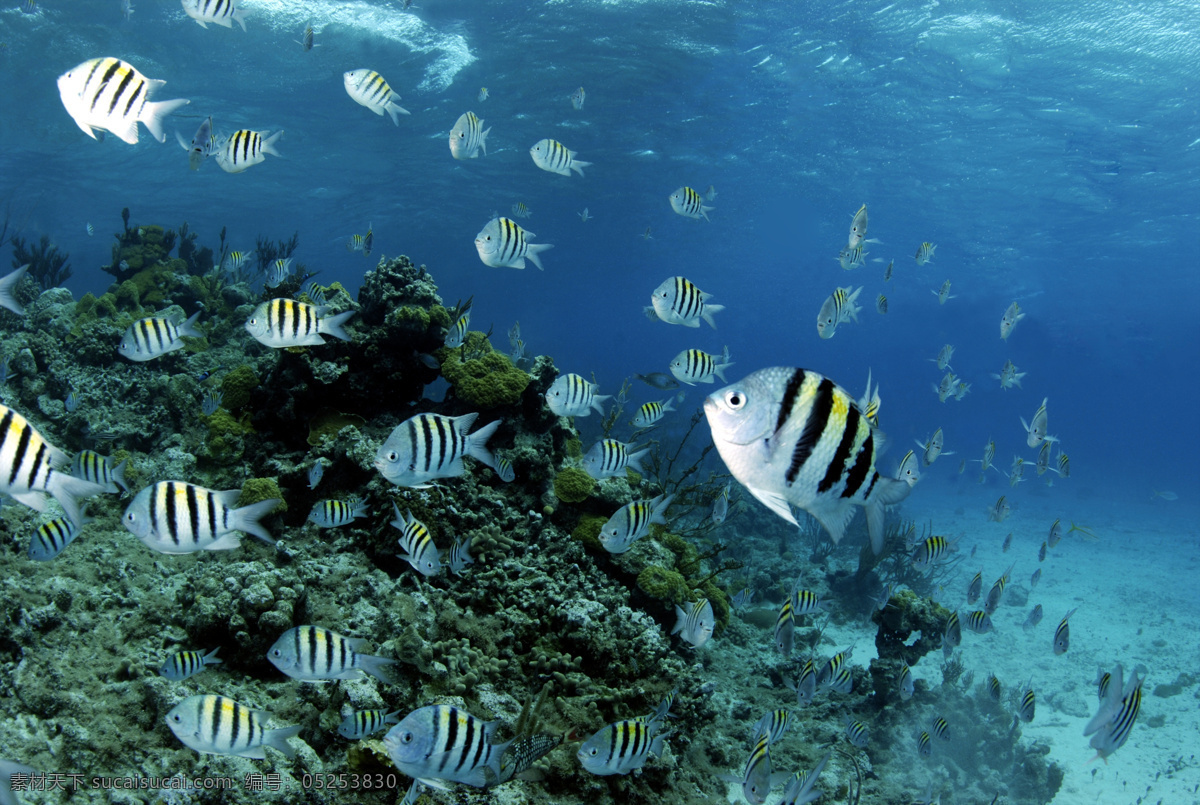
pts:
pixel 442 742
pixel 772 725
pixel 856 733
pixel 677 300
pixel 153 337
pixel 245 148
pixel 1062 635
pixel 336 513
pixel 362 723
pixel 216 725
pixel 553 156
pixel 428 446
pixel 941 728
pixel 314 654
pixel 29 469
pixel 174 517
pixel 367 88
pixel 1027 706
pixel 50 539
pixel 924 744
pixel 649 413
pixel 924 253
pixel 111 95
pixel 283 322
pixel 694 366
pixel 502 243
pixel 222 12
pixel 91 466
pixel 793 437
pixel 688 203
pixel 417 544
pixel 468 137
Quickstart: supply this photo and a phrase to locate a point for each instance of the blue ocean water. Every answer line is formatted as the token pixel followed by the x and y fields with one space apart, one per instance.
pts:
pixel 1049 150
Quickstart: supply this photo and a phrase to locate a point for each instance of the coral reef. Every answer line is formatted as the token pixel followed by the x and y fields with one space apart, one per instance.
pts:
pixel 48 267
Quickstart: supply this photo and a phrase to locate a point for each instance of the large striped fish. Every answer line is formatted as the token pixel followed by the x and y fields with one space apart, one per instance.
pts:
pixel 282 323
pixel 678 301
pixel 317 654
pixel 245 148
pixel 153 337
pixel 367 88
pixel 216 725
pixel 222 12
pixel 111 95
pixel 553 156
pixel 441 742
pixel 468 137
pixel 795 438
pixel 502 243
pixel 430 446
pixel 1118 711
pixel 622 747
pixel 29 469
pixel 175 517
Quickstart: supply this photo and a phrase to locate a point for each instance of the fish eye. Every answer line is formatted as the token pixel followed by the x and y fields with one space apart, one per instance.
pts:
pixel 593 751
pixel 276 652
pixel 131 517
pixel 735 399
pixel 177 718
pixel 392 456
pixel 406 737
pixel 462 134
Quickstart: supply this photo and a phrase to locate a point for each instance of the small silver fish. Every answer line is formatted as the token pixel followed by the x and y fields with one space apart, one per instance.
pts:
pixel 315 473
pixel 1000 511
pixel 306 39
pixel 887 272
pixel 468 137
pixel 975 589
pixel 924 253
pixel 931 549
pixel 90 230
pixel 858 228
pixel 881 303
pixel 933 448
pixel 951 635
pixel 909 471
pixel 924 745
pixel 943 357
pixel 659 380
pixel 460 555
pixel 1035 431
pixel 504 470
pixel 1062 635
pixel 1035 617
pixel 905 683
pixel 838 308
pixel 1025 709
pixel 943 293
pixel 1035 578
pixel 577 98
pixel 695 624
pixel 584 216
pixel 1009 320
pixel 857 733
pixel 721 506
pixel 363 723
pixel 945 388
pixel 186 664
pixel 711 193
pixel 520 210
pixel 483 94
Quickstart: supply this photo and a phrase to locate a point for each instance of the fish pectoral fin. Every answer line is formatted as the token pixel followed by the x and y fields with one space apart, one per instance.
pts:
pixel 835 519
pixel 776 503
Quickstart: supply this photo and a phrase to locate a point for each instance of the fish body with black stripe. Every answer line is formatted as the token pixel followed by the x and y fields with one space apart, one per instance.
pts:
pixel 426 447
pixel 222 12
pixel 502 243
pixel 175 517
pixel 793 437
pixel 317 654
pixel 621 747
pixel 554 157
pixel 109 94
pixel 216 725
pixel 29 469
pixel 678 301
pixel 468 137
pixel 368 88
pixel 443 743
pixel 153 337
pixel 687 202
pixel 245 148
pixel 282 323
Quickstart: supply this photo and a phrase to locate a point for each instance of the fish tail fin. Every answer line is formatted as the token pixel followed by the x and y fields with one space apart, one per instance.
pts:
pixel 659 509
pixel 246 518
pixel 887 492
pixel 376 666
pixel 239 16
pixel 705 211
pixel 188 328
pixel 395 110
pixel 598 402
pixel 707 315
pixel 333 325
pixel 477 443
pixel 268 145
pixel 532 253
pixel 578 165
pixel 67 490
pixel 278 739
pixel 483 138
pixel 635 461
pixel 7 283
pixel 153 115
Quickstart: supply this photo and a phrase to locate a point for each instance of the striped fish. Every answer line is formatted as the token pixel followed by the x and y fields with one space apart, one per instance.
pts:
pixel 1102 683
pixel 806 603
pixel 924 745
pixel 621 747
pixel 362 723
pixel 843 681
pixel 870 402
pixel 688 203
pixel 835 663
pixel 1064 463
pixel 997 592
pixel 573 395
pixel 1118 711
pixel 235 260
pixel 577 98
pixel 279 272
pixel 441 742
pixel 431 446
pixel 28 468
pixel 993 687
pixel 502 243
pixel 905 683
pixel 794 438
pixel 524 752
pixel 756 777
pixel 222 12
pixel 857 733
pixel 858 228
pixel 720 508
pixel 1062 635
pixel 245 148
pixel 979 621
pixel 678 301
pixel 881 304
pixel 1028 704
pixel 839 307
pixel 367 88
pixel 316 654
pixel 504 470
pixel 468 137
pixel 521 210
pixel 417 543
pixel 91 466
pixel 1009 320
pixel 1034 618
pixel 951 635
pixel 943 293
pixel 694 366
pixel 771 726
pixel 805 685
pixel 335 513
pixel 924 253
pixel 215 725
pixel 153 337
pixel 50 539
pixel 975 588
pixel 608 457
pixel 175 517
pixel 202 146
pixel 306 39
pixel 314 292
pixel 460 555
pixel 457 332
pixel 932 549
pixel 941 728
pixel 785 627
pixel 111 95
pixel 632 522
pixel 1035 431
pixel 553 156
pixel 185 664
pixel 282 323
pixel 695 624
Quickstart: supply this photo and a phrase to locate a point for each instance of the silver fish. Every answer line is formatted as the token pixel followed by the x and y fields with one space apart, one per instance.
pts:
pixel 687 202
pixel 838 308
pixel 441 742
pixel 427 447
pixel 316 654
pixel 216 725
pixel 577 98
pixel 632 522
pixel 678 301
pixel 1062 635
pixel 925 253
pixel 1035 431
pixel 858 227
pixel 943 293
pixel 468 137
pixel 1034 618
pixel 695 624
pixel 1009 320
pixel 721 506
pixel 502 243
pixel 202 146
pixel 554 157
pixel 111 95
pixel 222 12
pixel 573 395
